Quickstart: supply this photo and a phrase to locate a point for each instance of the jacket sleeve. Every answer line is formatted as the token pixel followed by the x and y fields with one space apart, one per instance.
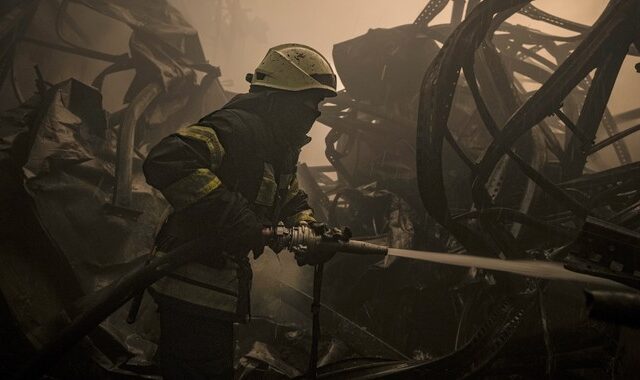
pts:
pixel 182 166
pixel 296 207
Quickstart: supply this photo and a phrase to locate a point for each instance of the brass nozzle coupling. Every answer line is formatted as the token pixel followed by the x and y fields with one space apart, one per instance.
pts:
pixel 303 238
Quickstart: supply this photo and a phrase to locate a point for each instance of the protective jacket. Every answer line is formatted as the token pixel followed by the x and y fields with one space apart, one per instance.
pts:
pixel 226 176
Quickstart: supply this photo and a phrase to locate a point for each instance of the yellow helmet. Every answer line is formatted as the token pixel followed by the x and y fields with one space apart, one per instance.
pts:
pixel 294 67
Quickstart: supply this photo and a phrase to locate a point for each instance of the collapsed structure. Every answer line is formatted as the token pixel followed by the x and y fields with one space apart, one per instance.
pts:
pixel 490 133
pixel 500 171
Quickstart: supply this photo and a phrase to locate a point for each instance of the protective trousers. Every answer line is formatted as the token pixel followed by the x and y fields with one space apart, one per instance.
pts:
pixel 193 346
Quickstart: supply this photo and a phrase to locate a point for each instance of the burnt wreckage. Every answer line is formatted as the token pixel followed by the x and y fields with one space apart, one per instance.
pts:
pixel 500 172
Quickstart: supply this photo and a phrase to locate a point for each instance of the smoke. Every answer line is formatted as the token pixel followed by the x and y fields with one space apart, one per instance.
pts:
pixel 237 40
pixel 236 34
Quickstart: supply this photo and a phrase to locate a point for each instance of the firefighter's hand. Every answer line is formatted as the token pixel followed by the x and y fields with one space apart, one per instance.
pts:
pixel 245 233
pixel 251 239
pixel 317 227
pixel 274 237
pixel 320 229
pixel 319 255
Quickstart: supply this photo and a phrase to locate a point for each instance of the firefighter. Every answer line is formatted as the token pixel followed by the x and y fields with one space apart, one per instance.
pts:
pixel 228 177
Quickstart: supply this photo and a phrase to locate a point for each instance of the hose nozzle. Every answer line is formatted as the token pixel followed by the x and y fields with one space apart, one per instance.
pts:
pixel 312 246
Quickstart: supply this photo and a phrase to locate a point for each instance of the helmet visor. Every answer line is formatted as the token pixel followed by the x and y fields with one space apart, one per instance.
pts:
pixel 325 79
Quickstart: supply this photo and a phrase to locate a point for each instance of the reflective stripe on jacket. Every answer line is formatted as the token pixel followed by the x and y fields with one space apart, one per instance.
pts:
pixel 229 156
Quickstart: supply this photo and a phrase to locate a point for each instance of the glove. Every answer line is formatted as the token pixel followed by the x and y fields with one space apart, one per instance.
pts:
pixel 303 257
pixel 277 242
pixel 244 231
pixel 319 228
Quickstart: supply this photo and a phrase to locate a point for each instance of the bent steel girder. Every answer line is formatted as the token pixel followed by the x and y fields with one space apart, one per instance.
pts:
pixel 535 13
pixel 435 108
pixel 431 10
pixel 612 139
pixel 594 108
pixel 501 82
pixel 436 97
pixel 437 90
pixel 511 44
pixel 559 48
pixel 499 86
pixel 614 28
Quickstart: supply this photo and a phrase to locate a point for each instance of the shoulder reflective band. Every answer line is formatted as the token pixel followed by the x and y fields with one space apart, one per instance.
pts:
pixel 191 188
pixel 209 137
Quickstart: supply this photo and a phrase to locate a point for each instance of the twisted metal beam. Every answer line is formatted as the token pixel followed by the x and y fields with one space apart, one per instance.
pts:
pixel 431 10
pixel 612 28
pixel 436 94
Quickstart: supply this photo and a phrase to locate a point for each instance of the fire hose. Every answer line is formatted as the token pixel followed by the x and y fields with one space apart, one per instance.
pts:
pixel 310 247
pixel 301 240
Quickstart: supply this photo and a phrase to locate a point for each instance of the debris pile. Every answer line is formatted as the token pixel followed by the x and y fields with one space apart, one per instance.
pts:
pixel 502 119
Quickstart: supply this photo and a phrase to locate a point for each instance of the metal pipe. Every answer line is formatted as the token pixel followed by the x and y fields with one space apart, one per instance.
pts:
pixel 612 139
pixel 126 141
pixel 312 371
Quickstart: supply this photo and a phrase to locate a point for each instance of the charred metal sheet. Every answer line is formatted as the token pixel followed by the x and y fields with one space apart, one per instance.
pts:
pixel 75 163
pixel 162 38
pixel 389 56
pixel 60 149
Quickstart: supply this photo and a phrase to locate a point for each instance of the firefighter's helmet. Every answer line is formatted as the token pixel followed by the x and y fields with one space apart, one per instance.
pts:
pixel 294 67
